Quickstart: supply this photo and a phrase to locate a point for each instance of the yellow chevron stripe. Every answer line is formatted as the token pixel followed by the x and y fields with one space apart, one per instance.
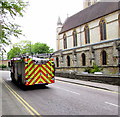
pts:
pixel 34 79
pixel 29 65
pixel 40 77
pixel 28 80
pixel 43 80
pixel 26 69
pixel 26 76
pixel 50 66
pixel 51 62
pixel 35 71
pixel 38 81
pixel 32 65
pixel 31 70
pixel 43 70
pixel 34 74
pixel 46 78
pixel 49 71
pixel 29 61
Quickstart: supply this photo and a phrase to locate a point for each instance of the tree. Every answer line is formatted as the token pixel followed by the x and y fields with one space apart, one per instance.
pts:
pixel 8 12
pixel 14 52
pixel 39 48
pixel 25 46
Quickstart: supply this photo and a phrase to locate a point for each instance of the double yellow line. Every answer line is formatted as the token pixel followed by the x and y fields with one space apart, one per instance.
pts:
pixel 29 108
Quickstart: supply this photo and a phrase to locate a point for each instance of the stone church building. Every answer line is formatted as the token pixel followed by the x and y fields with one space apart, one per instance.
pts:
pixel 90 36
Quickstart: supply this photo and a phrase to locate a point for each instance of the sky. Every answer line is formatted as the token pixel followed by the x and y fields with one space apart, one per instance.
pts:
pixel 40 19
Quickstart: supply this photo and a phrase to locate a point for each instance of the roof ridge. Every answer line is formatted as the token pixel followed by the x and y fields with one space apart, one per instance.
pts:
pixel 91 13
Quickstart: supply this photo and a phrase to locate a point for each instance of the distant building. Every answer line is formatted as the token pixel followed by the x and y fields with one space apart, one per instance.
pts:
pixel 4 62
pixel 90 36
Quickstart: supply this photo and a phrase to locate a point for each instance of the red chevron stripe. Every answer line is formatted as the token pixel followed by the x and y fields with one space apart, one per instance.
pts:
pixel 29 70
pixel 52 81
pixel 33 71
pixel 44 79
pixel 26 73
pixel 26 67
pixel 49 62
pixel 50 70
pixel 30 63
pixel 44 74
pixel 37 79
pixel 28 83
pixel 32 67
pixel 40 82
pixel 51 66
pixel 34 75
pixel 46 71
pixel 48 67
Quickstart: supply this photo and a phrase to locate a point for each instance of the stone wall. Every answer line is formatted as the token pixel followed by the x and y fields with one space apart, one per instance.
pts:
pixel 93 55
pixel 108 79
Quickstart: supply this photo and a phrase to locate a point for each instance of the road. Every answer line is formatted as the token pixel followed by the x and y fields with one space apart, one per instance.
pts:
pixel 60 98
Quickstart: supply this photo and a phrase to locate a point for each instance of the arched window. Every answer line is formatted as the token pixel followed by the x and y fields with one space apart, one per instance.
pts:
pixel 87 34
pixel 104 57
pixel 57 61
pixel 103 29
pixel 68 60
pixel 83 59
pixel 74 38
pixel 65 41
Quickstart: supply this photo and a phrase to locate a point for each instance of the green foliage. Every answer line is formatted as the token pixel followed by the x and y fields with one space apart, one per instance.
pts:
pixel 39 48
pixel 87 69
pixel 14 52
pixel 25 46
pixel 3 66
pixel 8 12
pixel 95 68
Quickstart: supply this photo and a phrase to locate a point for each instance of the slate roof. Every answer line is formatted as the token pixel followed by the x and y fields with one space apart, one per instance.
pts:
pixel 91 13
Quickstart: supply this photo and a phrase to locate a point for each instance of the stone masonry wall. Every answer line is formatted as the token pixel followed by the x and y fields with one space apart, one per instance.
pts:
pixel 114 80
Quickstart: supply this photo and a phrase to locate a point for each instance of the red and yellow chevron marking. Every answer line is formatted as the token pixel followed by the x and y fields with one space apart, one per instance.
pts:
pixel 38 74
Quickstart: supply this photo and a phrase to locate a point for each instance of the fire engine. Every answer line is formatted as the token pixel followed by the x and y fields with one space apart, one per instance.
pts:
pixel 30 70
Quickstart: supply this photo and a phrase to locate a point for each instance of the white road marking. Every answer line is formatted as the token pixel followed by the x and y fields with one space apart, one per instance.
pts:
pixel 115 92
pixel 112 104
pixel 68 90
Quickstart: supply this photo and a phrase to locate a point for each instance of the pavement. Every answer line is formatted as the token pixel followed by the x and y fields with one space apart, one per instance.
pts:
pixel 90 84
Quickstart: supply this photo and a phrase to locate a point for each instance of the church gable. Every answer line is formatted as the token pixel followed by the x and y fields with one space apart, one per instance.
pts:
pixel 91 13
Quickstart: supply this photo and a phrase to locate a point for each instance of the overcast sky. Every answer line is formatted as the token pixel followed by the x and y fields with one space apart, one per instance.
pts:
pixel 40 20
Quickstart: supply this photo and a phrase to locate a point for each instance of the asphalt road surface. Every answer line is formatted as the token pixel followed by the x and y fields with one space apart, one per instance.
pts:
pixel 60 98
